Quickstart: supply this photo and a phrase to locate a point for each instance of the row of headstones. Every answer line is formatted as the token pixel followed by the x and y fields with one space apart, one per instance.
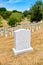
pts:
pixel 34 28
pixel 6 32
pixel 9 31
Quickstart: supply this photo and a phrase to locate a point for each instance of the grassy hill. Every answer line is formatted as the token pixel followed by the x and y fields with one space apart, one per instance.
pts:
pixel 3 22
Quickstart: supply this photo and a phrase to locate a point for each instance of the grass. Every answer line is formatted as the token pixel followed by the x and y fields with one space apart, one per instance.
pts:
pixel 34 57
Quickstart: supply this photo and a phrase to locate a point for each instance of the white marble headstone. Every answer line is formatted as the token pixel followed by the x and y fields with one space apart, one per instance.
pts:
pixel 22 41
pixel 37 28
pixel 32 29
pixel 6 33
pixel 1 33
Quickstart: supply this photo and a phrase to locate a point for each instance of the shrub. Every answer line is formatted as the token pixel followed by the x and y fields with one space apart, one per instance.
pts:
pixel 15 19
pixel 0 21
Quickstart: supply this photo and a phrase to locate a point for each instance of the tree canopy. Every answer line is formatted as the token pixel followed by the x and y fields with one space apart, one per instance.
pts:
pixel 15 19
pixel 36 12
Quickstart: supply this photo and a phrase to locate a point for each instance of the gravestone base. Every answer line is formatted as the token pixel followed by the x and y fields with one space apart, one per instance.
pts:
pixel 16 52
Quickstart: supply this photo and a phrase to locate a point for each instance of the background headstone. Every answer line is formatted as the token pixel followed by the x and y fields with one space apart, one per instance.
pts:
pixel 39 26
pixel 36 27
pixel 6 33
pixel 32 29
pixel 1 33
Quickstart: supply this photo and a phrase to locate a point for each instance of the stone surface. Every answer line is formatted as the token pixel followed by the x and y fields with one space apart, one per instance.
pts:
pixel 21 41
pixel 37 28
pixel 32 29
pixel 6 33
pixel 1 33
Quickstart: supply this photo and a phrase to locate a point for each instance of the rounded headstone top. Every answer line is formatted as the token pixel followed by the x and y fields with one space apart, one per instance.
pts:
pixel 22 30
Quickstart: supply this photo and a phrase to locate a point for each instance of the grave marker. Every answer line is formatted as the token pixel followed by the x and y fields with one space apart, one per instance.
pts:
pixel 6 33
pixel 22 41
pixel 1 33
pixel 37 26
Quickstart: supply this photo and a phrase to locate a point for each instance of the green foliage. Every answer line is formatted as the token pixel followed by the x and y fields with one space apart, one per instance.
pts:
pixel 4 13
pixel 0 17
pixel 42 10
pixel 15 19
pixel 2 9
pixel 15 11
pixel 25 13
pixel 36 14
pixel 0 21
pixel 28 17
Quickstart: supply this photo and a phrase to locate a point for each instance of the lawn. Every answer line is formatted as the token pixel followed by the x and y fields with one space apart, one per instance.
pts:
pixel 34 57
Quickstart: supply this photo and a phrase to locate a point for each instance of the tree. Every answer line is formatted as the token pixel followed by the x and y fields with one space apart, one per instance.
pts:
pixel 2 9
pixel 26 12
pixel 42 10
pixel 15 19
pixel 4 13
pixel 15 11
pixel 36 14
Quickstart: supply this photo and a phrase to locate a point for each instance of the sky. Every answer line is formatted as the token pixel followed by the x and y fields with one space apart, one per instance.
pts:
pixel 20 5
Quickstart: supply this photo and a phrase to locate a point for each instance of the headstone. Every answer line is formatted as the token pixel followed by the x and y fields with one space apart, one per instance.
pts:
pixel 12 30
pixel 1 33
pixel 10 33
pixel 39 25
pixel 37 28
pixel 6 33
pixel 22 41
pixel 32 29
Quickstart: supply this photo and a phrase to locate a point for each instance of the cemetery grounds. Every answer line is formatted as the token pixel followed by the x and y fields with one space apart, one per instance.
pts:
pixel 34 57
